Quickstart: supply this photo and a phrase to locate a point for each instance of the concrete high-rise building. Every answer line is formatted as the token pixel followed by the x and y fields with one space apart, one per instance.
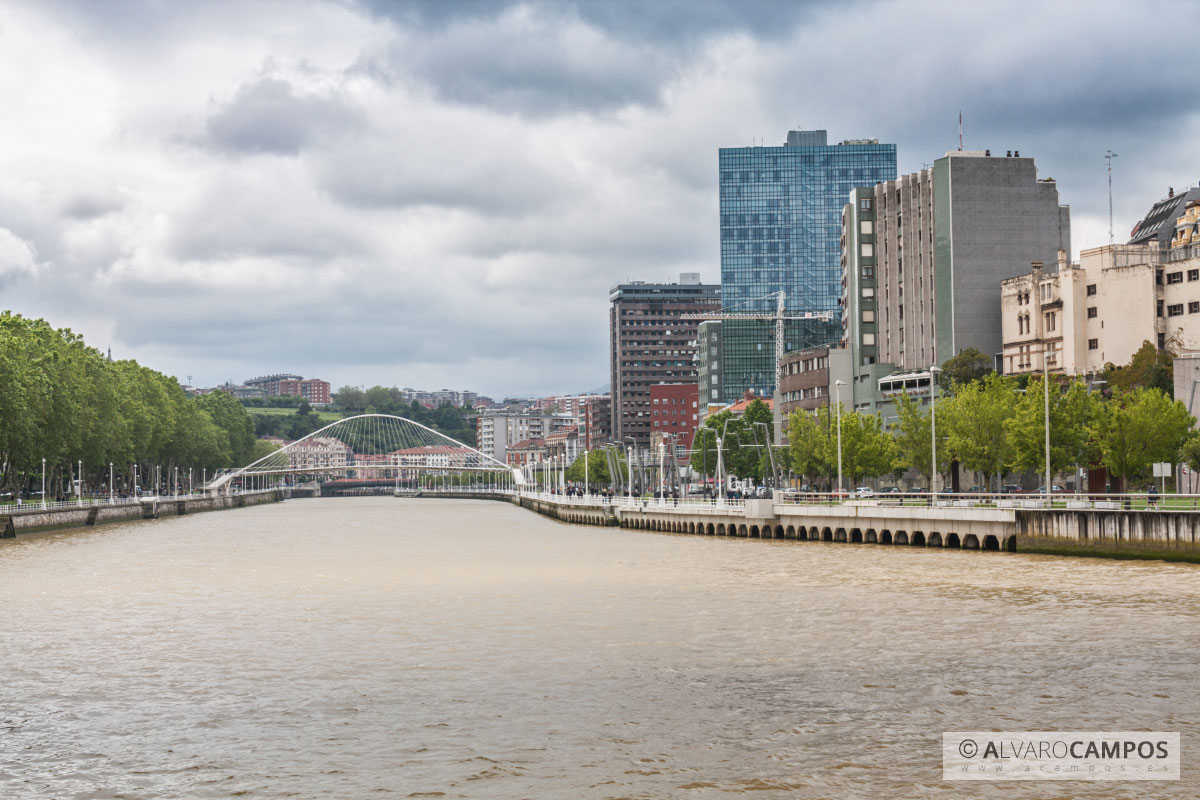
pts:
pixel 945 238
pixel 925 255
pixel 780 230
pixel 650 343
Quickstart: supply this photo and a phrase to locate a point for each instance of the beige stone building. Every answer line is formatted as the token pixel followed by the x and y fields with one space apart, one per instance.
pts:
pixel 1082 316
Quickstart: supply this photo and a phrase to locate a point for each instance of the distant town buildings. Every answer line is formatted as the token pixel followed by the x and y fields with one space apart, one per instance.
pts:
pixel 314 390
pixel 779 225
pixel 495 433
pixel 443 397
pixel 650 343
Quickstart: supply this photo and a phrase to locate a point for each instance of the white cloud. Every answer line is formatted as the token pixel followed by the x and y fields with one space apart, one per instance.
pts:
pixel 17 256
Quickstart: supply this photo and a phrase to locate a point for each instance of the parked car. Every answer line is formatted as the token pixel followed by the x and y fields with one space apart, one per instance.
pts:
pixel 976 490
pixel 1010 488
pixel 1055 489
pixel 762 493
pixel 890 490
pixel 864 491
pixel 918 490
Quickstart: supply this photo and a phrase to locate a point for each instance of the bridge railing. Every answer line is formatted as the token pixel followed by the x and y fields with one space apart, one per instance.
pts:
pixel 1130 501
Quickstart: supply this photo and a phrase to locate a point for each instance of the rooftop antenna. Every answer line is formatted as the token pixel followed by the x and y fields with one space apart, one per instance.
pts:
pixel 1109 155
pixel 960 130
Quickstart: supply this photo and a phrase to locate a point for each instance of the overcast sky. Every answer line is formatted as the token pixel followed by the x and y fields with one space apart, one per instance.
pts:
pixel 441 194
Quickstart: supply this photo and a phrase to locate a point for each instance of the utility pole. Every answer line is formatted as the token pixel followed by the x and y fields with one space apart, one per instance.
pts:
pixel 1109 155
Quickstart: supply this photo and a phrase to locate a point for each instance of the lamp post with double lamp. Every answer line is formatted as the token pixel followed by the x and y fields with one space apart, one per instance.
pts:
pixel 837 388
pixel 934 475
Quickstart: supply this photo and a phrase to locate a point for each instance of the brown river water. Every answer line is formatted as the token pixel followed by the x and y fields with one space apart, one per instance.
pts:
pixel 381 647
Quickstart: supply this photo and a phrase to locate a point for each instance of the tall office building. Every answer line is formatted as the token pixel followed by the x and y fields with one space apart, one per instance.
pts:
pixel 649 343
pixel 781 211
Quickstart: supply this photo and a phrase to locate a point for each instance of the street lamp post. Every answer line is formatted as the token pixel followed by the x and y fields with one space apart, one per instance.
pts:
pixel 1046 411
pixel 190 487
pixel 43 483
pixel 837 388
pixel 662 453
pixel 110 483
pixel 720 474
pixel 136 484
pixel 79 485
pixel 934 475
pixel 585 473
pixel 629 465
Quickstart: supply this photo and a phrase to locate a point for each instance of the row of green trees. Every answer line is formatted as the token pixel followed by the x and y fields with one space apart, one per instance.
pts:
pixel 993 426
pixel 64 402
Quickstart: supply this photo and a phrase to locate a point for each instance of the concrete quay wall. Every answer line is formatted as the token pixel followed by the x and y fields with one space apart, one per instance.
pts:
pixel 29 521
pixel 1103 532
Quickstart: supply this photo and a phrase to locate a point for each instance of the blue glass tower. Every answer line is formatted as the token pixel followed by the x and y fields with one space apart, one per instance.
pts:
pixel 781 215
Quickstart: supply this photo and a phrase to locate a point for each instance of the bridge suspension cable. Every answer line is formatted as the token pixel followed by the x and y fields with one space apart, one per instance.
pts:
pixel 370 447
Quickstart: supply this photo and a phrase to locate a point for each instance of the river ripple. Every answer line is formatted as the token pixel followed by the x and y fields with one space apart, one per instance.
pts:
pixel 366 647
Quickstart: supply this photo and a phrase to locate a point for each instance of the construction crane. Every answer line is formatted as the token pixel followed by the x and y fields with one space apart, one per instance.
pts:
pixel 780 317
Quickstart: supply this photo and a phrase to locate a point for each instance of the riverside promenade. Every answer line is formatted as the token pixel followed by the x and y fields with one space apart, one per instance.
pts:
pixel 1103 527
pixel 33 517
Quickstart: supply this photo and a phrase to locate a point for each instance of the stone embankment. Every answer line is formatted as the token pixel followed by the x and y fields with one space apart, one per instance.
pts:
pixel 30 518
pixel 1113 532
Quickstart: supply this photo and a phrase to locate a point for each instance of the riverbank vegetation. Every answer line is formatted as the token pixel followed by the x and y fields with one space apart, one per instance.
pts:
pixel 65 403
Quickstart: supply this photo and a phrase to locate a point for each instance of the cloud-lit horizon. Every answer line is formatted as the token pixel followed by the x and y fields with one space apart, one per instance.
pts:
pixel 439 195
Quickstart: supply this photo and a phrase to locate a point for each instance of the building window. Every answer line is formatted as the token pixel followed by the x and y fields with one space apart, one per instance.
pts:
pixel 868 250
pixel 868 291
pixel 868 316
pixel 866 227
pixel 1175 309
pixel 1174 277
pixel 1050 321
pixel 1093 344
pixel 868 272
pixel 865 203
pixel 868 339
pixel 1091 312
pixel 1194 307
pixel 1194 274
pixel 1091 290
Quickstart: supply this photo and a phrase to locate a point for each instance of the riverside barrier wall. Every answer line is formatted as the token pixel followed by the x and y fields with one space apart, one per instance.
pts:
pixel 33 518
pixel 1152 533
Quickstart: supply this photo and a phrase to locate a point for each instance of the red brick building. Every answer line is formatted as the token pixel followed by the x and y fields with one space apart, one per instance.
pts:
pixel 674 410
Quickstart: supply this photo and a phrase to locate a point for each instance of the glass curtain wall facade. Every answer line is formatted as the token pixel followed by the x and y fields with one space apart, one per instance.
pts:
pixel 781 215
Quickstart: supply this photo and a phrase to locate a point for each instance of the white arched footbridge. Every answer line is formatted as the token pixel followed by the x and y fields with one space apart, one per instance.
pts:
pixel 371 449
